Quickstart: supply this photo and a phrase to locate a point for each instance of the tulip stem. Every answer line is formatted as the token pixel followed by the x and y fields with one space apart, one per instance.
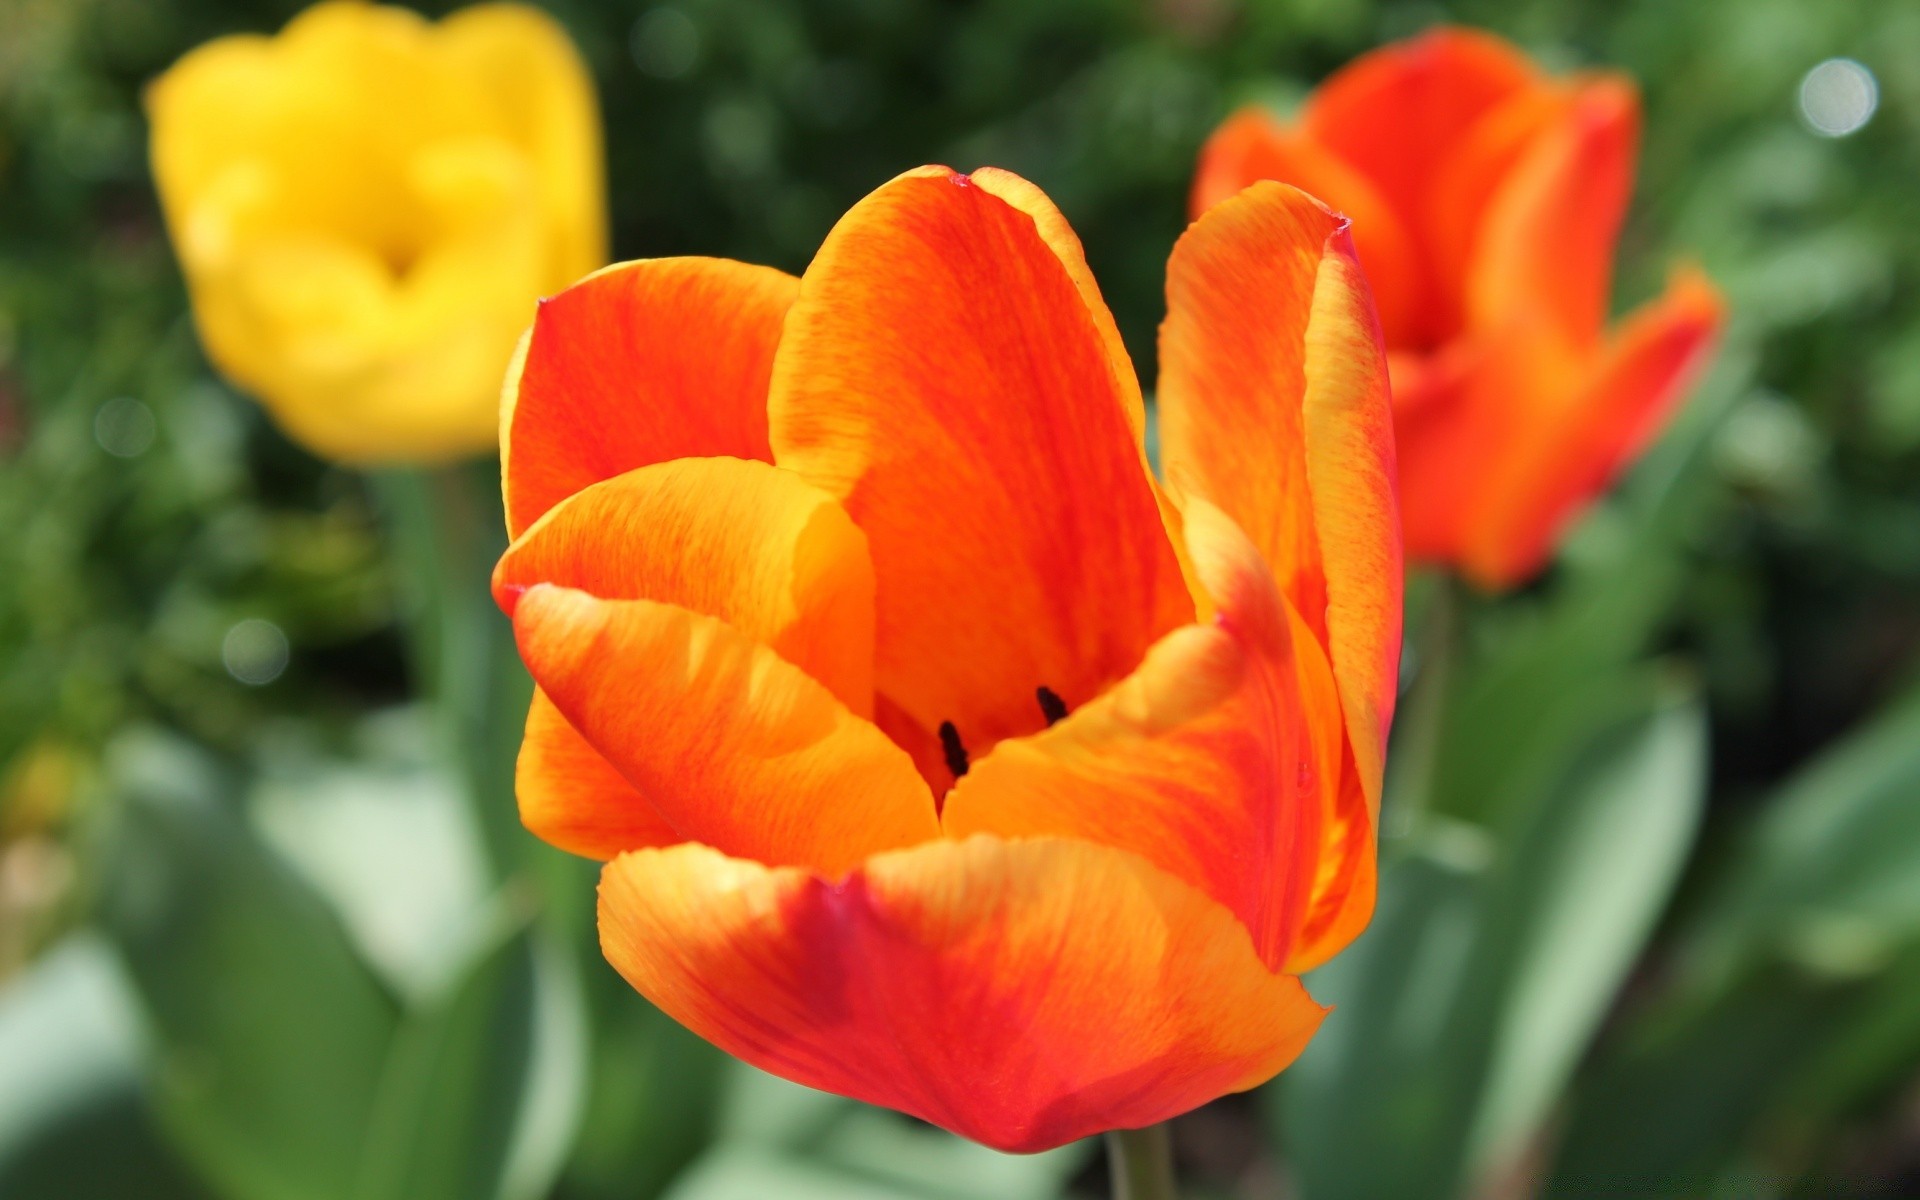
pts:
pixel 1142 1163
pixel 444 532
pixel 1412 767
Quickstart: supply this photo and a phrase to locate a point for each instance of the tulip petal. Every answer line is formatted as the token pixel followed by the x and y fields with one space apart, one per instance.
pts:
pixel 572 797
pixel 1398 112
pixel 541 93
pixel 637 364
pixel 735 746
pixel 1218 761
pixel 743 541
pixel 1022 994
pixel 1544 246
pixel 1579 445
pixel 1274 407
pixel 943 375
pixel 1252 146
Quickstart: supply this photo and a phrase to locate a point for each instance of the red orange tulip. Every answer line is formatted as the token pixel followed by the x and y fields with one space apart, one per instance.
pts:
pixel 1486 200
pixel 942 757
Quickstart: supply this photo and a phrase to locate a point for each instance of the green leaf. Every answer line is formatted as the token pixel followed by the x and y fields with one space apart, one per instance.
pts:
pixel 1579 899
pixel 653 1096
pixel 1830 874
pixel 457 1082
pixel 1459 1014
pixel 751 1172
pixel 1369 1108
pixel 271 1033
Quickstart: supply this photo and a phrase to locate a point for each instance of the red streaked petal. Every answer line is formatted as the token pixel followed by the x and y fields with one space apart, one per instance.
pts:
pixel 573 798
pixel 1022 994
pixel 639 363
pixel 1396 114
pixel 743 541
pixel 1252 146
pixel 943 374
pixel 1544 247
pixel 735 746
pixel 1218 760
pixel 1274 407
pixel 1581 444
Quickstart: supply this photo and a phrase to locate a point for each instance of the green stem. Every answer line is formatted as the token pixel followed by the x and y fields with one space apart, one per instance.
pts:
pixel 1417 736
pixel 1142 1163
pixel 445 531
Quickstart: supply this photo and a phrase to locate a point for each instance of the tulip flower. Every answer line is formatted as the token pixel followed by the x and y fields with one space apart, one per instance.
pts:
pixel 366 208
pixel 941 757
pixel 1486 200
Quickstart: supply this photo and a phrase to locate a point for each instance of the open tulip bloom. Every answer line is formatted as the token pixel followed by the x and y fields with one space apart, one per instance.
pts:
pixel 940 756
pixel 1486 200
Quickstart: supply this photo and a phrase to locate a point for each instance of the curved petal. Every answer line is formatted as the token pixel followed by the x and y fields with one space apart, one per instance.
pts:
pixel 746 542
pixel 1052 226
pixel 640 363
pixel 572 797
pixel 1022 994
pixel 1252 146
pixel 540 94
pixel 1579 446
pixel 1465 185
pixel 1456 414
pixel 1545 245
pixel 1399 112
pixel 734 746
pixel 942 374
pixel 1274 407
pixel 1219 760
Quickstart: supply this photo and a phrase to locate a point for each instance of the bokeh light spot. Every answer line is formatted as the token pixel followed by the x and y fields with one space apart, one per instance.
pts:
pixel 255 652
pixel 124 427
pixel 1838 96
pixel 666 43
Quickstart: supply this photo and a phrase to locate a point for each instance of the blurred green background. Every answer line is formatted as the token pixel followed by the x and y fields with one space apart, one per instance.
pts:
pixel 1651 923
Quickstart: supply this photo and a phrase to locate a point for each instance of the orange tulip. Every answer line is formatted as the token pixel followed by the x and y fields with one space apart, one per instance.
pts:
pixel 944 759
pixel 1486 199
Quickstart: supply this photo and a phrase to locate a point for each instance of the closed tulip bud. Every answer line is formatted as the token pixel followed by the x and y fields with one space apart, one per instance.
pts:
pixel 366 208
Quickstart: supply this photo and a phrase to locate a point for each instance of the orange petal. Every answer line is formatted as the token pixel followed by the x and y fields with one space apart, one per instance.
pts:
pixel 734 745
pixel 636 364
pixel 1582 444
pixel 1465 184
pixel 943 374
pixel 746 542
pixel 1274 407
pixel 1399 113
pixel 1545 243
pixel 1022 994
pixel 1218 760
pixel 573 798
pixel 1252 146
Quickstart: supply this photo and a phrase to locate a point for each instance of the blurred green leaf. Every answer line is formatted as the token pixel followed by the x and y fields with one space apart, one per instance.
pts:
pixel 1829 875
pixel 1364 1111
pixel 455 1081
pixel 652 1100
pixel 749 1172
pixel 781 1139
pixel 286 1068
pixel 1459 1014
pixel 1577 904
pixel 272 1034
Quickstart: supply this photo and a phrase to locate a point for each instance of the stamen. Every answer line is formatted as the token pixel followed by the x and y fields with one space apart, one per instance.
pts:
pixel 1051 705
pixel 956 752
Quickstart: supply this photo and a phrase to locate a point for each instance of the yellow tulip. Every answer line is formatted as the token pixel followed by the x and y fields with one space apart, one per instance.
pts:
pixel 366 208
